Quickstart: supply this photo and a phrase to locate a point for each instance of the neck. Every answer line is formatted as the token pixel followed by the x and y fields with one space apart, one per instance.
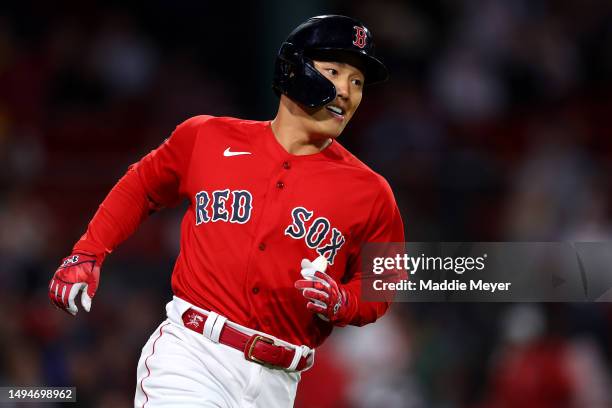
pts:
pixel 289 128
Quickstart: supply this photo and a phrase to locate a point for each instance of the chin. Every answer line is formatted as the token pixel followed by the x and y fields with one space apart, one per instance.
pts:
pixel 324 126
pixel 330 134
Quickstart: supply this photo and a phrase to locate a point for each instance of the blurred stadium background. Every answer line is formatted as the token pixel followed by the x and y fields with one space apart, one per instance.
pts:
pixel 496 126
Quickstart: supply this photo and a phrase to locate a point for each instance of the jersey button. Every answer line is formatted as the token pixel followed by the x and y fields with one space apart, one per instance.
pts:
pixel 255 290
pixel 280 184
pixel 286 165
pixel 262 247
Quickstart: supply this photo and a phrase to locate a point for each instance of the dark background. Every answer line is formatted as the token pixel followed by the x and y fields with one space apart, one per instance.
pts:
pixel 495 126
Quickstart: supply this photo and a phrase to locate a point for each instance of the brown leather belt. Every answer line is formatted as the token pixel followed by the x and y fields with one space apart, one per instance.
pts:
pixel 256 348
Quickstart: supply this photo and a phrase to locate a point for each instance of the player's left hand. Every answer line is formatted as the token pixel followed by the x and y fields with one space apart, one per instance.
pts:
pixel 326 298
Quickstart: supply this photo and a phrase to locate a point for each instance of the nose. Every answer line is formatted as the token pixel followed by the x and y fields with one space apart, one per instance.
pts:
pixel 343 88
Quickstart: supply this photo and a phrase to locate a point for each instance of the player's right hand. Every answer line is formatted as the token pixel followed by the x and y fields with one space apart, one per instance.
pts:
pixel 78 272
pixel 325 297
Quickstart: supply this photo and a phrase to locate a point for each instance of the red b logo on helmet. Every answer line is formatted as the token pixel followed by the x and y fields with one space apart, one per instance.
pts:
pixel 360 37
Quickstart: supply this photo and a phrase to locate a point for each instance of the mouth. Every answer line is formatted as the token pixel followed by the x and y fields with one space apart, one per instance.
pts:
pixel 336 112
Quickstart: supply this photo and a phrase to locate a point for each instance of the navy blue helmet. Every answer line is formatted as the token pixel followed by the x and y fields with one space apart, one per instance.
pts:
pixel 327 38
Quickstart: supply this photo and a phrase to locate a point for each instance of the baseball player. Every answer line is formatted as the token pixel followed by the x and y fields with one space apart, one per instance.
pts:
pixel 270 243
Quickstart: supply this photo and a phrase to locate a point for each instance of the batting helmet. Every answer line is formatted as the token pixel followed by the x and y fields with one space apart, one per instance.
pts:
pixel 331 38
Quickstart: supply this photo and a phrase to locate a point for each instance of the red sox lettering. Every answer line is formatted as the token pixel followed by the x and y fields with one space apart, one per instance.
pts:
pixel 315 234
pixel 214 207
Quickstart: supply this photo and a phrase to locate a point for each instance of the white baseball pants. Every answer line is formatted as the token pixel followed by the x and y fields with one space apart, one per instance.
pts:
pixel 179 368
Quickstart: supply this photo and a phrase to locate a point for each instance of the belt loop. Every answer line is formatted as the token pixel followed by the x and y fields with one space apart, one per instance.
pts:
pixel 213 326
pixel 300 351
pixel 209 325
pixel 217 327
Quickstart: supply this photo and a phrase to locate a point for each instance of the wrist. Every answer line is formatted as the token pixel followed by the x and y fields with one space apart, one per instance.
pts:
pixel 345 308
pixel 90 249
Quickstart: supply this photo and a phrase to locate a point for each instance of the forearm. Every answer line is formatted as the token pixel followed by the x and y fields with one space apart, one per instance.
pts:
pixel 119 215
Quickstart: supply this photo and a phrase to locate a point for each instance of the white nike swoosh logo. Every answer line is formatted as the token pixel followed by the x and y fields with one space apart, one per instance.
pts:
pixel 228 153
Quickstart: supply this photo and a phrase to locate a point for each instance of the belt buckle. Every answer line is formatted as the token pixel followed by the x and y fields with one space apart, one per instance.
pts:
pixel 249 355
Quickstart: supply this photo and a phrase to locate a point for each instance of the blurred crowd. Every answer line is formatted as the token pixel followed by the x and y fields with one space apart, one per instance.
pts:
pixel 495 126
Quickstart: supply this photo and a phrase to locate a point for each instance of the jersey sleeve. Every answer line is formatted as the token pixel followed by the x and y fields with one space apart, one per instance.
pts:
pixel 156 181
pixel 385 225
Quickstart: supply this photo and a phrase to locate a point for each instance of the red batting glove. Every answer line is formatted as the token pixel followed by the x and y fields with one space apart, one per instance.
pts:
pixel 79 271
pixel 326 297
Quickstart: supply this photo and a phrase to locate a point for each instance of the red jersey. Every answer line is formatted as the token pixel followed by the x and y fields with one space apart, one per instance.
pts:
pixel 254 212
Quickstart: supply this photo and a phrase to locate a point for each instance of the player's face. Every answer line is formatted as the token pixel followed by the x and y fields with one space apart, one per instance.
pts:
pixel 331 119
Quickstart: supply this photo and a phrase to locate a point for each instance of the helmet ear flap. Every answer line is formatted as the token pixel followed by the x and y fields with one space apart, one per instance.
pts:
pixel 296 77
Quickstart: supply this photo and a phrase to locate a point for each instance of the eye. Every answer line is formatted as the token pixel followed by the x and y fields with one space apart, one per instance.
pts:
pixel 332 71
pixel 358 82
